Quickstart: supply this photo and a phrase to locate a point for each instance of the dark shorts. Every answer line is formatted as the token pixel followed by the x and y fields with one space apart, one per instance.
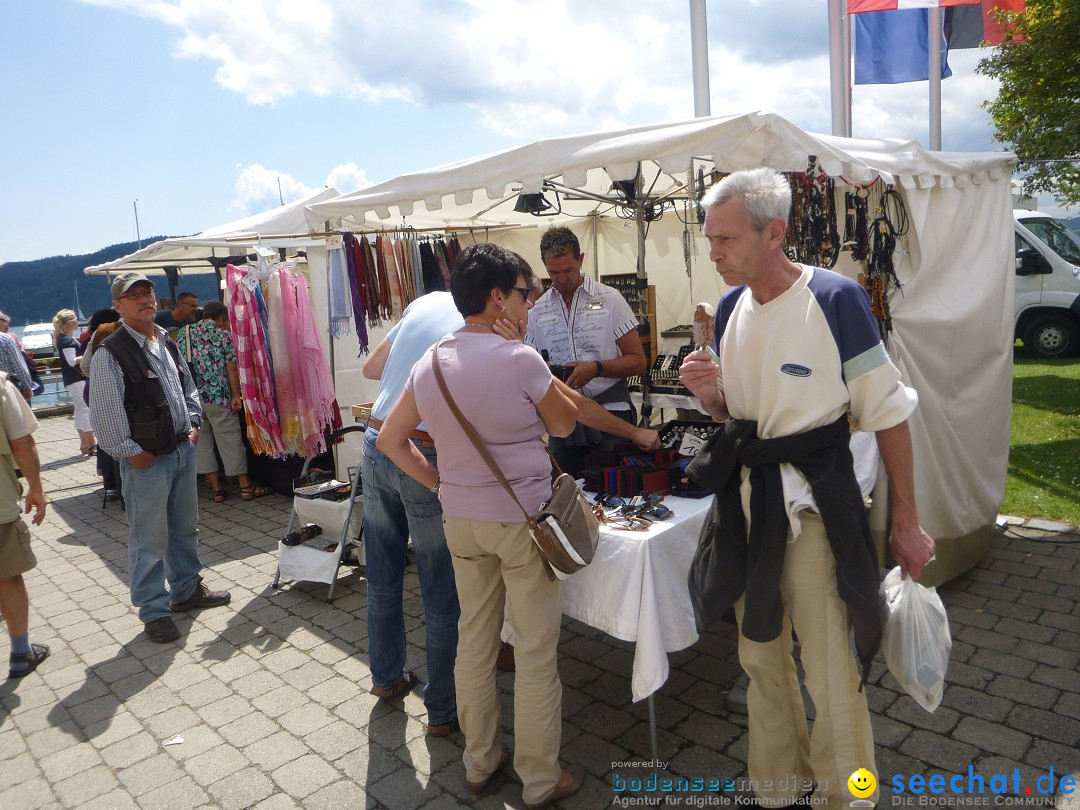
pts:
pixel 16 557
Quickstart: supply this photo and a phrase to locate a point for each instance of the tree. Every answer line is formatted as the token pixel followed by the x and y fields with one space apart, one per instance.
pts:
pixel 1037 109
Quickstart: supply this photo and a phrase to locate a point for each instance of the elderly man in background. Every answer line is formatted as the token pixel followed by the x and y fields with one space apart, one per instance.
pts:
pixel 588 327
pixel 17 449
pixel 146 412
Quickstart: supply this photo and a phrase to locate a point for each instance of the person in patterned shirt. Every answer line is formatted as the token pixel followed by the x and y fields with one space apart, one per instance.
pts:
pixel 208 347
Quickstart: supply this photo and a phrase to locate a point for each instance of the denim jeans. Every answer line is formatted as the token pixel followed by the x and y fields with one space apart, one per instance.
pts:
pixel 395 508
pixel 162 507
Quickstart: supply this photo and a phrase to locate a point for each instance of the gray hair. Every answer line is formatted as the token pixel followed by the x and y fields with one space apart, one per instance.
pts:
pixel 765 192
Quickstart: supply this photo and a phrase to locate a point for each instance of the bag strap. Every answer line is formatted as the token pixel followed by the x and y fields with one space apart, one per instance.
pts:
pixel 187 342
pixel 479 445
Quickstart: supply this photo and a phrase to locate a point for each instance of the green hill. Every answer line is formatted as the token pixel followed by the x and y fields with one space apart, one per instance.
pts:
pixel 34 291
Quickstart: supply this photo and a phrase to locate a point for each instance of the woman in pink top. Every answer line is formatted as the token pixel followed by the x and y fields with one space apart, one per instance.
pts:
pixel 505 390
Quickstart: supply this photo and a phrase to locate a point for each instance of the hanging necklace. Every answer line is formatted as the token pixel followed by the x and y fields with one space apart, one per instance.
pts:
pixel 482 325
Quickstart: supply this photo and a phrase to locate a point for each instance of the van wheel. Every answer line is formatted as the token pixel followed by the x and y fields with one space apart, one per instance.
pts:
pixel 1052 336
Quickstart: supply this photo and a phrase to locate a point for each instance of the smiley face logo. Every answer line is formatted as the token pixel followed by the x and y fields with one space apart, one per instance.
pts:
pixel 861 783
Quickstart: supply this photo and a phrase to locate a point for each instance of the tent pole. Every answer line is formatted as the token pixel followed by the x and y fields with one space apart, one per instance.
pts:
pixel 643 295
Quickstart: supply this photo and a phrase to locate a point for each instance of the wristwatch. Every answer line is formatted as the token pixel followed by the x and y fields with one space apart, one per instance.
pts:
pixel 599 368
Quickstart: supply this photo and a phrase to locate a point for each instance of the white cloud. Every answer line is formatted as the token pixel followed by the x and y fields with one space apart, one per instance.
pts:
pixel 347 177
pixel 260 189
pixel 536 69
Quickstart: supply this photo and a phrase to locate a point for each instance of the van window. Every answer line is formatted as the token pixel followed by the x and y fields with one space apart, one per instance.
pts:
pixel 1059 238
pixel 1021 243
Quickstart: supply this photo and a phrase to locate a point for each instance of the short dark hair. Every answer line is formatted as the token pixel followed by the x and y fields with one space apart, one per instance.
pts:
pixel 480 269
pixel 183 295
pixel 107 315
pixel 557 241
pixel 214 310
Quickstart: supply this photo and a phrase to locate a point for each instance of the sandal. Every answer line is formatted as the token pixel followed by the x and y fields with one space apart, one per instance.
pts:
pixel 220 495
pixel 37 654
pixel 255 491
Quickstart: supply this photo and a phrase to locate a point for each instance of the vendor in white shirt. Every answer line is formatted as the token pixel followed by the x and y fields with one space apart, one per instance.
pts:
pixel 589 327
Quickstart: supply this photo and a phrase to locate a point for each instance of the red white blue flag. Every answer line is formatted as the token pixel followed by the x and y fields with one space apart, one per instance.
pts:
pixel 859 6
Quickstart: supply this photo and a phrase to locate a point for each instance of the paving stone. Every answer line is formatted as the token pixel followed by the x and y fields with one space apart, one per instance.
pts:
pixel 305 775
pixel 75 790
pixel 179 795
pixel 275 750
pixel 1005 664
pixel 14 796
pixel 402 790
pixel 950 755
pixel 215 764
pixel 1049 654
pixel 304 720
pixel 335 740
pixel 971 702
pixel 344 793
pixel 128 751
pixel 993 737
pixel 1048 725
pixel 1024 691
pixel 149 774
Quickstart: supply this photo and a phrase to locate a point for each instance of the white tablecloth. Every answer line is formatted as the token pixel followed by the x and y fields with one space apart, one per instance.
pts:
pixel 635 589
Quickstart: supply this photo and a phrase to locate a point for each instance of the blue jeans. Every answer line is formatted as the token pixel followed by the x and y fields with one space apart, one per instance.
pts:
pixel 395 508
pixel 162 504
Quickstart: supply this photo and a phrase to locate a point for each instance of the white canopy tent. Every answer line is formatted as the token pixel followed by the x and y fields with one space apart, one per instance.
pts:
pixel 952 319
pixel 282 227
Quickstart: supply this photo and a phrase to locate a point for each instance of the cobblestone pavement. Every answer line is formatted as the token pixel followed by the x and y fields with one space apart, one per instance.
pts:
pixel 270 693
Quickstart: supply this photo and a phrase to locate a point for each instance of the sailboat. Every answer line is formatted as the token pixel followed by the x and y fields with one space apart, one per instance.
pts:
pixel 75 306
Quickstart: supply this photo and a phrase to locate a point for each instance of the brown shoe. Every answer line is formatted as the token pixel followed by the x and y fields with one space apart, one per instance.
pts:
pixel 577 777
pixel 476 788
pixel 444 729
pixel 399 689
pixel 504 662
pixel 202 598
pixel 162 631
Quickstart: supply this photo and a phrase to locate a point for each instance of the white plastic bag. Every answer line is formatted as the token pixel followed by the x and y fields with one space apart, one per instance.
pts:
pixel 916 642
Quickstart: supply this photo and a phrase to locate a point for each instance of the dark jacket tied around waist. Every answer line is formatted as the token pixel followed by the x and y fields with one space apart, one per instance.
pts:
pixel 730 562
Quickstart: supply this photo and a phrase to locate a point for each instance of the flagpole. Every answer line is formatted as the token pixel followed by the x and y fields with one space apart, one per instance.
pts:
pixel 847 75
pixel 836 66
pixel 933 42
pixel 699 53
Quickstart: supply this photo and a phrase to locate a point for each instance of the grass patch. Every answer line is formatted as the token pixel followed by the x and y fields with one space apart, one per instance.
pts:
pixel 1044 445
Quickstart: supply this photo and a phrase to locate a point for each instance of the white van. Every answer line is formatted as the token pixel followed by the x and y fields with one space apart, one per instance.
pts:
pixel 1047 285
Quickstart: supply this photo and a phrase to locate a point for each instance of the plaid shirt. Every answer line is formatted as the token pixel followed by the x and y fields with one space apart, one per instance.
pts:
pixel 12 361
pixel 109 417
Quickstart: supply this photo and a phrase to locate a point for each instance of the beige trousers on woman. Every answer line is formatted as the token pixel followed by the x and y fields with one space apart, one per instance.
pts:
pixel 493 561
pixel 784 760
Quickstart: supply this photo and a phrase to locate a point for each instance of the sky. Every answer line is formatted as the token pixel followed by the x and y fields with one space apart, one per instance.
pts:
pixel 129 118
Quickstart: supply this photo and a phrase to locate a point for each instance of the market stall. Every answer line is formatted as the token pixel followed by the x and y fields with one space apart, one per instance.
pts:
pixel 630 195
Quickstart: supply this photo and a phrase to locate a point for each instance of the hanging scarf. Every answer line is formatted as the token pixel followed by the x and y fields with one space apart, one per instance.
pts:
pixel 388 264
pixel 444 267
pixel 374 291
pixel 281 309
pixel 338 283
pixel 252 363
pixel 356 290
pixel 322 414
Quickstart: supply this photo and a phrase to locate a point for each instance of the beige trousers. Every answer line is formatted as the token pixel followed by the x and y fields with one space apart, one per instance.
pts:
pixel 493 562
pixel 784 760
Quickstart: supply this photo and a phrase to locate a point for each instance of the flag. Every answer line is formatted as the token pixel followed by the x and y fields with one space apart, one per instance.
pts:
pixel 891 47
pixel 859 6
pixel 970 26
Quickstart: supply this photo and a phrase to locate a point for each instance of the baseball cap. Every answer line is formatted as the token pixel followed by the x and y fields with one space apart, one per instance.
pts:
pixel 125 281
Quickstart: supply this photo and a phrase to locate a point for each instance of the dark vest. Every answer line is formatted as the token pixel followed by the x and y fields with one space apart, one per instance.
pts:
pixel 144 397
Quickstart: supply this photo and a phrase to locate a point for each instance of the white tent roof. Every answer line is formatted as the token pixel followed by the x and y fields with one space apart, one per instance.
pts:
pixel 284 226
pixel 592 161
